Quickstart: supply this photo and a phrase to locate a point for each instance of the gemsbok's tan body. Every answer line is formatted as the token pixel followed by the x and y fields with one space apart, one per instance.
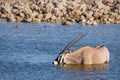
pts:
pixel 83 55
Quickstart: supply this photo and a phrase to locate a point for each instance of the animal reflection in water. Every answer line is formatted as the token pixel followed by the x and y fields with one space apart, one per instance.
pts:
pixel 85 67
pixel 84 55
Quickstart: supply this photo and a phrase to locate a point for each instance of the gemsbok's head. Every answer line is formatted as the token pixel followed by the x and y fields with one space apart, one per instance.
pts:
pixel 83 55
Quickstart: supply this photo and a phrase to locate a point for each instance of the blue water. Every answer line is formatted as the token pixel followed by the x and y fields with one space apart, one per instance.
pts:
pixel 27 53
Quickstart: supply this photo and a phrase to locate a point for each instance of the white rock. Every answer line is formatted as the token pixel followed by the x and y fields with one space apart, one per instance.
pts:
pixel 83 7
pixel 36 20
pixel 68 23
pixel 94 23
pixel 47 16
pixel 99 4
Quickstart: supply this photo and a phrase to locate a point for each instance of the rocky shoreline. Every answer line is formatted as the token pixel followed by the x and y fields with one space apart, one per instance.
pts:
pixel 87 13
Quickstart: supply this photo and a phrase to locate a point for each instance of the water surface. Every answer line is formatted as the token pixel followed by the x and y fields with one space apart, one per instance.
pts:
pixel 27 53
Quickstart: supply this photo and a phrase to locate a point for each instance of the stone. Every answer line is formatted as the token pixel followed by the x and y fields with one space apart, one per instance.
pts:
pixel 82 7
pixel 59 5
pixel 105 16
pixel 119 10
pixel 115 15
pixel 110 1
pixel 14 11
pixel 39 16
pixel 99 4
pixel 49 6
pixel 36 20
pixel 29 20
pixel 89 22
pixel 97 15
pixel 21 14
pixel 47 16
pixel 56 12
pixel 106 9
pixel 27 10
pixel 34 7
pixel 6 9
pixel 89 14
pixel 95 23
pixel 76 13
pixel 83 20
pixel 11 19
pixel 19 19
pixel 111 20
pixel 53 17
pixel 58 19
pixel 18 7
pixel 32 14
pixel 3 16
pixel 67 23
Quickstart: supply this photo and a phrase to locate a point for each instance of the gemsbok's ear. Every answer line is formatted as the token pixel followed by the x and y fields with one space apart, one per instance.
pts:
pixel 70 44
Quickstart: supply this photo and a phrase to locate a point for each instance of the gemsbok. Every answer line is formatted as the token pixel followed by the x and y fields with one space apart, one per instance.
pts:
pixel 84 55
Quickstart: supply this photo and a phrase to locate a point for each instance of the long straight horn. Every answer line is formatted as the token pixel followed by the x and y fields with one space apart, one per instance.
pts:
pixel 70 44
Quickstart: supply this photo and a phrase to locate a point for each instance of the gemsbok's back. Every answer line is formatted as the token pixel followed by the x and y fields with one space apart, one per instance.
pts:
pixel 83 55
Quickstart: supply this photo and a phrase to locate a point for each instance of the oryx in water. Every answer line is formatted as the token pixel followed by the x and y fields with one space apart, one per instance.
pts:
pixel 83 55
